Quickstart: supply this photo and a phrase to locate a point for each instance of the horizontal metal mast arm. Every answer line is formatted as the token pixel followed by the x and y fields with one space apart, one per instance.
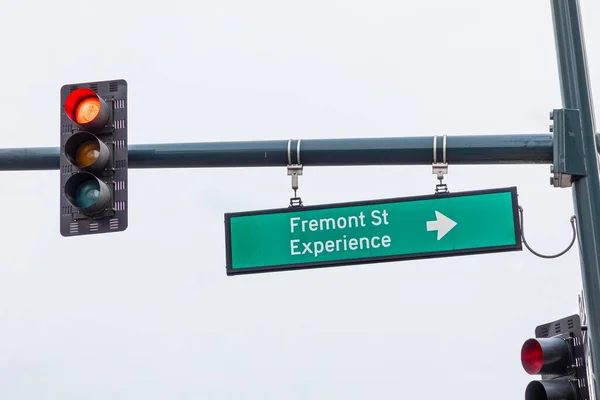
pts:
pixel 460 150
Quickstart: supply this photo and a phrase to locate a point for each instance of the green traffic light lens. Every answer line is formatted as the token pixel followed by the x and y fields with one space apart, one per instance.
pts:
pixel 87 194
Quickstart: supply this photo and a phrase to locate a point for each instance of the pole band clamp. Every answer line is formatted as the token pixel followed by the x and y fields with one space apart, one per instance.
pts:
pixel 294 170
pixel 440 168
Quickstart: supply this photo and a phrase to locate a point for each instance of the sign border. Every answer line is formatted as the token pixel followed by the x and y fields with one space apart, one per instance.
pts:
pixel 518 246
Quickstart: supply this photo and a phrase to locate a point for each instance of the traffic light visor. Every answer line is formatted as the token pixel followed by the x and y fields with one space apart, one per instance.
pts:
pixel 545 356
pixel 86 151
pixel 550 390
pixel 88 193
pixel 84 107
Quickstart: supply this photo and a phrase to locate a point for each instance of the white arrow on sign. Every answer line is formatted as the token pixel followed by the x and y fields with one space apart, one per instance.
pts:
pixel 441 224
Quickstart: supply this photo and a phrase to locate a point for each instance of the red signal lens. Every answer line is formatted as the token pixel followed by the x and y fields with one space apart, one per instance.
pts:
pixel 532 356
pixel 85 108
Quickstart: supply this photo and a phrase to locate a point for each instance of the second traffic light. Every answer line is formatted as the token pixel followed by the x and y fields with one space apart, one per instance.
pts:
pixel 557 354
pixel 93 159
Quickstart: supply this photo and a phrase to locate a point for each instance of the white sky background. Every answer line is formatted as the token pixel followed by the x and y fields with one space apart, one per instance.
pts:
pixel 165 322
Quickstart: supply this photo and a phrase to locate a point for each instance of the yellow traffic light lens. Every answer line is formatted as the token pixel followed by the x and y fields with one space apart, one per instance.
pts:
pixel 87 153
pixel 87 110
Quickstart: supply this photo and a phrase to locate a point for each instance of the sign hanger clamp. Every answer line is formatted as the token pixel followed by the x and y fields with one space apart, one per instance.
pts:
pixel 294 170
pixel 440 168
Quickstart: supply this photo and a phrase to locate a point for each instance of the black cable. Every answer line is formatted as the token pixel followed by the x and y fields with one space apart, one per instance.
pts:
pixel 542 255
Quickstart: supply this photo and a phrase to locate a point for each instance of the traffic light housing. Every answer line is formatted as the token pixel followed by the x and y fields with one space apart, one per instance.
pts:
pixel 93 157
pixel 557 354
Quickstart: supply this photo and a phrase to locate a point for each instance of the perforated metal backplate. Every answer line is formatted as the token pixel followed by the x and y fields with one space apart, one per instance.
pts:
pixel 569 327
pixel 586 345
pixel 560 328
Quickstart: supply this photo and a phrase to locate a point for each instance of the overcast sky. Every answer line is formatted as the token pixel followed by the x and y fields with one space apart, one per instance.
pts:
pixel 150 313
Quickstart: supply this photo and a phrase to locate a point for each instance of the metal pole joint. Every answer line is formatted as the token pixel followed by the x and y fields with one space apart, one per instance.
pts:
pixel 568 149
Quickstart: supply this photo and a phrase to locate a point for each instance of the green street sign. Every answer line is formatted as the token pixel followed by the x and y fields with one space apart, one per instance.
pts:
pixel 364 232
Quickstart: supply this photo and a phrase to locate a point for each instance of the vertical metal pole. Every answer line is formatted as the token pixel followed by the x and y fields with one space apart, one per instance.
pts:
pixel 575 90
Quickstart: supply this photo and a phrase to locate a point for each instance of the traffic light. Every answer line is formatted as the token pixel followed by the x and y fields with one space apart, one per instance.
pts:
pixel 557 354
pixel 93 157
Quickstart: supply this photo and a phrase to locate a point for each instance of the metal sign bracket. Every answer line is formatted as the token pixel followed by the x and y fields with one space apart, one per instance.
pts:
pixel 440 168
pixel 294 170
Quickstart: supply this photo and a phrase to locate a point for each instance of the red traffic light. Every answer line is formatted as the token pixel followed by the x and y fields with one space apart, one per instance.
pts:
pixel 546 356
pixel 532 357
pixel 88 110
